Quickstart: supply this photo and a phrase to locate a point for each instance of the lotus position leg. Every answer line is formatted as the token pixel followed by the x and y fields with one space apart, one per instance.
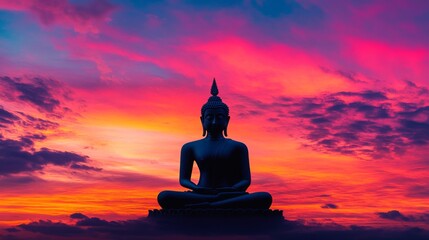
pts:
pixel 175 200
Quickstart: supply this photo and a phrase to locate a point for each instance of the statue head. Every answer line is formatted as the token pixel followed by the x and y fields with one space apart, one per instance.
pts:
pixel 215 113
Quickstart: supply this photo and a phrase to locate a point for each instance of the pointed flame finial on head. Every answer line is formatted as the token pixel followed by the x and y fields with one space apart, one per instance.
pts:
pixel 214 101
pixel 214 91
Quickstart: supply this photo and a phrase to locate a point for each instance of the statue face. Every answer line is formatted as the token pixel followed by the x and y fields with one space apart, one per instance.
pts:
pixel 215 120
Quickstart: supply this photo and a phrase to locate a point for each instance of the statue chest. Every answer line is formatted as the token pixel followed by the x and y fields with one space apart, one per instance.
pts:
pixel 215 158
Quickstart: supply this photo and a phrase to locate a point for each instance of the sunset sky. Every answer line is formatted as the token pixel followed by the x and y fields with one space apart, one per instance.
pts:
pixel 332 99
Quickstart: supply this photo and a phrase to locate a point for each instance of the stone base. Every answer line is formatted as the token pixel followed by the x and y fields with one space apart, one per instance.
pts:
pixel 208 213
pixel 217 221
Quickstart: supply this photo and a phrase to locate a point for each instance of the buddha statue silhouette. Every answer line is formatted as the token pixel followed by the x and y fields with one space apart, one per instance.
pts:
pixel 223 164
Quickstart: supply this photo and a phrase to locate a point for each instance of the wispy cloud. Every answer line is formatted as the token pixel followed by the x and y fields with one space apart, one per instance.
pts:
pixel 36 91
pixel 367 124
pixel 19 156
pixel 18 153
pixel 83 18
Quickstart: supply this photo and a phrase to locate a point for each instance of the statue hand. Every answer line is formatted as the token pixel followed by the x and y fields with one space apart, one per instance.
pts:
pixel 227 195
pixel 227 189
pixel 205 190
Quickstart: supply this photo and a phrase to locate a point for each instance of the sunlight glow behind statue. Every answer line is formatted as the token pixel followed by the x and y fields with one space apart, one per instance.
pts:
pixel 223 164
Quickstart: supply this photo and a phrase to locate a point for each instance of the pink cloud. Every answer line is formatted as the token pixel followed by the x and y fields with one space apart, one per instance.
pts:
pixel 83 18
pixel 390 61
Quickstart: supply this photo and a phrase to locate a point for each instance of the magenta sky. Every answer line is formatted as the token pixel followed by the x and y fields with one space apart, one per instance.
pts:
pixel 332 99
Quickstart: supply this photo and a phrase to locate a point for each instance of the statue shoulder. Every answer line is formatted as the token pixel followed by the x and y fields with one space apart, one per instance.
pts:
pixel 238 144
pixel 190 145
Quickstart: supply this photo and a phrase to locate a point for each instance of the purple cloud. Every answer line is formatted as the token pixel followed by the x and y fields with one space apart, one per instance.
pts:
pixel 52 228
pixel 395 215
pixel 78 216
pixel 7 117
pixel 83 17
pixel 93 227
pixel 36 123
pixel 37 92
pixel 95 222
pixel 330 206
pixel 17 156
pixel 368 124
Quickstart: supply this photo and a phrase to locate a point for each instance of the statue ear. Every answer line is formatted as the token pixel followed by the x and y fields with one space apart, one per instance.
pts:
pixel 204 129
pixel 225 131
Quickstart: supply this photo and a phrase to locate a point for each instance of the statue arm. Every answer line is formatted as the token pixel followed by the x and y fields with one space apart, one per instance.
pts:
pixel 186 162
pixel 243 157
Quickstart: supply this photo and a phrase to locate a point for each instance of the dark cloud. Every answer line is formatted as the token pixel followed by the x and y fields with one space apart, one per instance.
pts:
pixel 78 216
pixel 18 156
pixel 330 206
pixel 37 123
pixel 337 107
pixel 324 195
pixel 52 228
pixel 351 76
pixel 37 136
pixel 305 114
pixel 7 117
pixel 368 95
pixel 407 106
pixel 285 99
pixel 412 110
pixel 37 92
pixel 273 119
pixel 251 107
pixel 418 191
pixel 417 132
pixel 84 167
pixel 13 158
pixel 367 124
pixel 93 228
pixel 26 142
pixel 320 120
pixel 12 230
pixel 318 133
pixel 395 215
pixel 370 111
pixel 251 113
pixel 96 222
pixel 12 181
pixel 348 75
pixel 346 136
pixel 60 158
pixel 38 95
pixel 8 120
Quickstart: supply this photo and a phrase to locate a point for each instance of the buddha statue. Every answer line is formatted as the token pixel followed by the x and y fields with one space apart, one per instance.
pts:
pixel 223 164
